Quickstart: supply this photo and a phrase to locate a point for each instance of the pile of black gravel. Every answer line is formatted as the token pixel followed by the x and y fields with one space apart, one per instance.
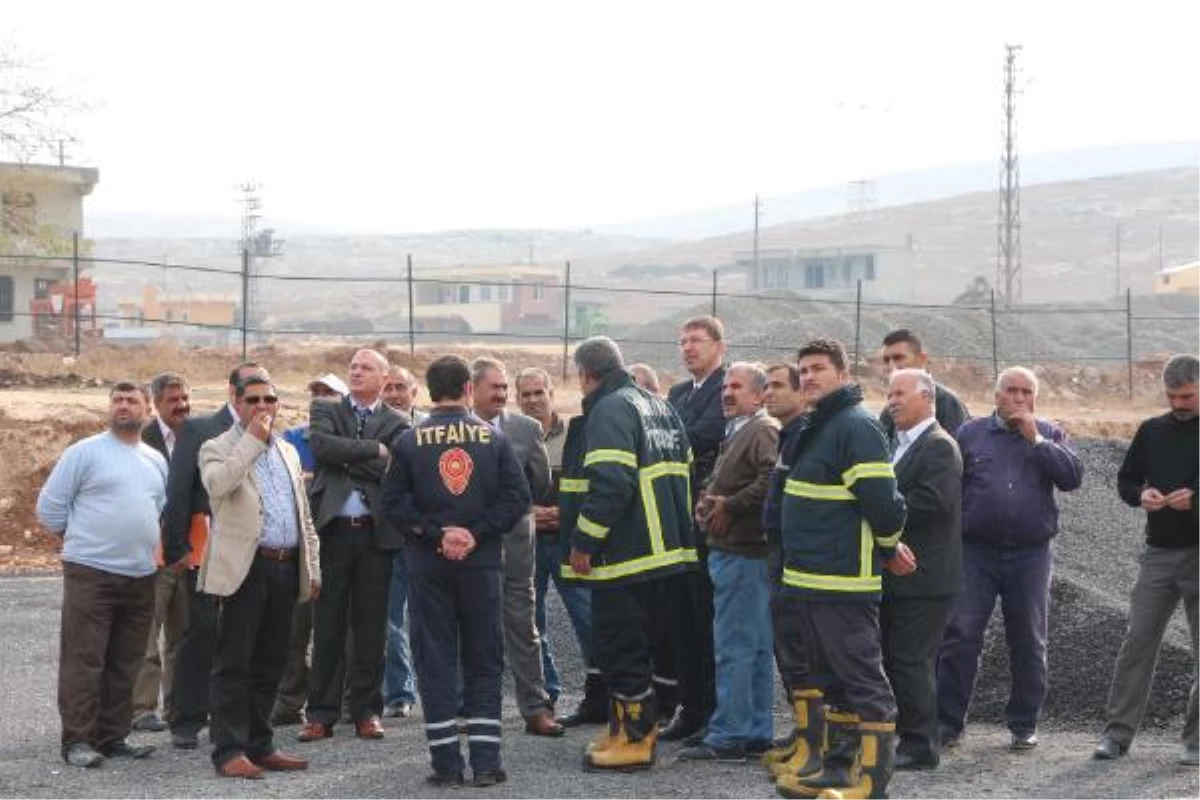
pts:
pixel 1095 567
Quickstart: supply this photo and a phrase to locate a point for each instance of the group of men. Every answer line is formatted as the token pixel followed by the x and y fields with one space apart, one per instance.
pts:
pixel 758 517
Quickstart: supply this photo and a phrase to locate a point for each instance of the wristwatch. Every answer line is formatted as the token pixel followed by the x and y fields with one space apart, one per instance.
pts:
pixel 1038 439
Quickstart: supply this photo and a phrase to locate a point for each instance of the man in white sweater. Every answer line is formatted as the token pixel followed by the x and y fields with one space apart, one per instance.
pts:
pixel 104 498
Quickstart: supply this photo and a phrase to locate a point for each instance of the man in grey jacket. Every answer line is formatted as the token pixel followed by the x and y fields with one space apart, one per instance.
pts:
pixel 522 642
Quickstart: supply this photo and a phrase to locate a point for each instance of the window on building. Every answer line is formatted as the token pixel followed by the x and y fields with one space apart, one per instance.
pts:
pixel 539 291
pixel 19 213
pixel 485 293
pixel 847 280
pixel 464 294
pixel 814 276
pixel 7 298
pixel 504 293
pixel 870 271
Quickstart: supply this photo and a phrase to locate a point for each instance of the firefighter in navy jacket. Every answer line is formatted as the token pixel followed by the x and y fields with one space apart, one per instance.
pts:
pixel 454 487
pixel 626 501
pixel 842 518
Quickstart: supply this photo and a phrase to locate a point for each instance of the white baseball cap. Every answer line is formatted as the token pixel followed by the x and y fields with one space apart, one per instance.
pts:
pixel 331 381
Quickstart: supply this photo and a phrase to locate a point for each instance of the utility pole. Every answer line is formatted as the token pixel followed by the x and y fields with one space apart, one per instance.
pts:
pixel 1008 230
pixel 1118 260
pixel 757 213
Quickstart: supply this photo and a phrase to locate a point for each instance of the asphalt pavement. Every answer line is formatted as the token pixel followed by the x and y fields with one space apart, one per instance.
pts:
pixel 30 764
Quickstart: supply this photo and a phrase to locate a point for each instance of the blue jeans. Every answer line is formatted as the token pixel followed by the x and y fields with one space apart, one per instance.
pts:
pixel 1020 576
pixel 577 599
pixel 742 643
pixel 398 684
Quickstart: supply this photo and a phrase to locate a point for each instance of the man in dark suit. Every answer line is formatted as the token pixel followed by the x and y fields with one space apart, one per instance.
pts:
pixel 697 400
pixel 184 520
pixel 522 641
pixel 902 349
pixel 170 395
pixel 351 442
pixel 915 607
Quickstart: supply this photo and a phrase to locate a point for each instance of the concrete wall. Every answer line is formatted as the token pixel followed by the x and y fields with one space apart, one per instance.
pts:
pixel 24 277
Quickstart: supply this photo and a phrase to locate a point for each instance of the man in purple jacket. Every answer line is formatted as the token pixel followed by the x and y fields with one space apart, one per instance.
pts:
pixel 1012 463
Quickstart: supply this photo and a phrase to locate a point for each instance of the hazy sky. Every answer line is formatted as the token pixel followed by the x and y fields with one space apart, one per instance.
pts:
pixel 411 116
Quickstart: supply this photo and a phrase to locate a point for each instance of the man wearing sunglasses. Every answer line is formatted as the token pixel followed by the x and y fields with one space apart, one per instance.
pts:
pixel 262 557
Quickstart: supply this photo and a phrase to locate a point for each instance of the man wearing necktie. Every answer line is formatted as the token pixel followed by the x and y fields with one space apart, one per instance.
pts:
pixel 697 401
pixel 351 443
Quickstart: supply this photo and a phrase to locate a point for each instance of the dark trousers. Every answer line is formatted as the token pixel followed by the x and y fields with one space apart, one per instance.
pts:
pixel 457 638
pixel 253 629
pixel 1020 577
pixel 912 630
pixel 193 662
pixel 685 646
pixel 355 582
pixel 293 685
pixel 105 622
pixel 629 625
pixel 787 638
pixel 845 655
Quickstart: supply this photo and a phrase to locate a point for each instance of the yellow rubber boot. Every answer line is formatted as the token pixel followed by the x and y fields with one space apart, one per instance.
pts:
pixel 876 761
pixel 839 766
pixel 605 740
pixel 805 754
pixel 633 747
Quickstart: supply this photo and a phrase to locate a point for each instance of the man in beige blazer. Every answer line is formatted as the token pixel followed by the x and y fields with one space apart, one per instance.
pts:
pixel 262 556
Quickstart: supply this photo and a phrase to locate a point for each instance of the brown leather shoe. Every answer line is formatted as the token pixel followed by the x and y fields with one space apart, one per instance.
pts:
pixel 369 728
pixel 543 724
pixel 280 762
pixel 313 731
pixel 240 767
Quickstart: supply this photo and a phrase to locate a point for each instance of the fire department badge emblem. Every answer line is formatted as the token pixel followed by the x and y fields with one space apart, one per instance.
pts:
pixel 456 467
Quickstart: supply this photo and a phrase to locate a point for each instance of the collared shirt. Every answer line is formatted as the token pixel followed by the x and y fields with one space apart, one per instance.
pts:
pixel 168 437
pixel 280 528
pixel 734 425
pixel 554 437
pixel 356 504
pixel 904 439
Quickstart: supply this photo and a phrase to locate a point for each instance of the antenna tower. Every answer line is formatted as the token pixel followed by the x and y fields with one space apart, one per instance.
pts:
pixel 254 246
pixel 1008 229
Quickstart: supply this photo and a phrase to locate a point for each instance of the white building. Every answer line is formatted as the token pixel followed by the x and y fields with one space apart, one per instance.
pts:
pixel 41 207
pixel 833 273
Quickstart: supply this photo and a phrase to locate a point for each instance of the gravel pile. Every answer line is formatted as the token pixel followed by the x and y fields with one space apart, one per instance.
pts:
pixel 1095 567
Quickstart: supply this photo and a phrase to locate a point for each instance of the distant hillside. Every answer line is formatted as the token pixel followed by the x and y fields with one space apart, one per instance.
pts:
pixel 1068 237
pixel 917 187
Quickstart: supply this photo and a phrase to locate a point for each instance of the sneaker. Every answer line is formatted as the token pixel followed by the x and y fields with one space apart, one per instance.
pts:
pixel 756 747
pixel 704 752
pixel 401 709
pixel 488 777
pixel 148 721
pixel 1023 740
pixel 83 755
pixel 123 749
pixel 1190 757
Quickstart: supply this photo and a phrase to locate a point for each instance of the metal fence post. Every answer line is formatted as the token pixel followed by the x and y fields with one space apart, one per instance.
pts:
pixel 245 295
pixel 566 319
pixel 857 325
pixel 995 341
pixel 1129 337
pixel 412 330
pixel 75 269
pixel 714 294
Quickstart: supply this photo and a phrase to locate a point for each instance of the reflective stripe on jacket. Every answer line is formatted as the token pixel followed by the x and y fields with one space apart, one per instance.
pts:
pixel 625 493
pixel 841 510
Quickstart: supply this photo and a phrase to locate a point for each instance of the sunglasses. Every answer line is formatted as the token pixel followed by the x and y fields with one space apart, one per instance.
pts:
pixel 269 399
